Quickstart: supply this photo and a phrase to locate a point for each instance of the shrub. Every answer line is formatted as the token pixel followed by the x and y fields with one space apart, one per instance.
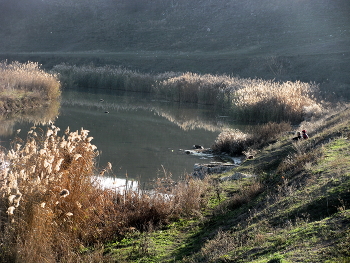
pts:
pixel 231 141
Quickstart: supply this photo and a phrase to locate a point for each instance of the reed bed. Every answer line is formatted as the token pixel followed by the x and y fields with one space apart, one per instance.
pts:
pixel 250 100
pixel 201 89
pixel 275 101
pixel 52 207
pixel 27 79
pixel 107 77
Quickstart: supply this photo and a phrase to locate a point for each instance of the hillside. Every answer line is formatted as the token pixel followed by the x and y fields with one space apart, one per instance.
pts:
pixel 274 27
pixel 287 40
pixel 296 210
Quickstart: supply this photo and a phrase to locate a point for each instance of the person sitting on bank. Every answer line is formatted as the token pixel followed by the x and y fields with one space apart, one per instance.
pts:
pixel 304 134
pixel 298 137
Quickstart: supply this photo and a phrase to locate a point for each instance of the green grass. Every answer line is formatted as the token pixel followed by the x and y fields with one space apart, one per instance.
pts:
pixel 301 216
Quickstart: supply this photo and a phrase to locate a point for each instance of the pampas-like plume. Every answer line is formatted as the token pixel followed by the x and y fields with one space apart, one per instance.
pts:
pixel 10 210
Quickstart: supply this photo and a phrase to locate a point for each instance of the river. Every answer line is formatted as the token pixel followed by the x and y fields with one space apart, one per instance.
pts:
pixel 141 137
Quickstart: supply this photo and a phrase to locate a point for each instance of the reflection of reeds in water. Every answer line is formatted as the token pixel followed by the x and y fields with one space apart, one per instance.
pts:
pixel 187 124
pixel 36 116
pixel 250 100
pixel 52 206
pixel 27 94
pixel 185 119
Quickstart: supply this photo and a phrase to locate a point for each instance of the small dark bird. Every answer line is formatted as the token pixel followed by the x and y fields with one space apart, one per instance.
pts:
pixel 196 146
pixel 106 111
pixel 102 100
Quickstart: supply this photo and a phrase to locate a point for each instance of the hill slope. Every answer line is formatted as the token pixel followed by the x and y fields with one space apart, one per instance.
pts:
pixel 297 210
pixel 205 25
pixel 287 40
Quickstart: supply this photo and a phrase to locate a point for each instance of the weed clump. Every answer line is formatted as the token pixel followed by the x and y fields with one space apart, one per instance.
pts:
pixel 52 204
pixel 236 142
pixel 27 79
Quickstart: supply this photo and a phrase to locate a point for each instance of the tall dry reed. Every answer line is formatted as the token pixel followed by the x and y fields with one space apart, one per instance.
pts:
pixel 52 205
pixel 236 142
pixel 262 101
pixel 251 100
pixel 28 79
pixel 106 77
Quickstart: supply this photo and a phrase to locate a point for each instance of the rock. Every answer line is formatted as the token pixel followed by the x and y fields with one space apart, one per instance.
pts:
pixel 236 176
pixel 201 170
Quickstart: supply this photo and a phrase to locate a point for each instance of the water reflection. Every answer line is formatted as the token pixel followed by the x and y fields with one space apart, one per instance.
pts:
pixel 186 116
pixel 138 135
pixel 35 116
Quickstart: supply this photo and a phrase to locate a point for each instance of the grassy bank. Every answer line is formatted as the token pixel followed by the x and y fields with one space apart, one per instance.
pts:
pixel 296 209
pixel 25 85
pixel 249 100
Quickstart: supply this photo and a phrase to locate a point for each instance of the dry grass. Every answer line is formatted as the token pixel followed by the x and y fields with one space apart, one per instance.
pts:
pixel 251 100
pixel 27 79
pixel 244 195
pixel 274 101
pixel 106 77
pixel 52 207
pixel 237 142
pixel 202 89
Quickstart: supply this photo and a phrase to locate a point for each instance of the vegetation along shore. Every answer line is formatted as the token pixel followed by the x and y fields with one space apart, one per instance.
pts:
pixel 293 206
pixel 26 85
pixel 248 99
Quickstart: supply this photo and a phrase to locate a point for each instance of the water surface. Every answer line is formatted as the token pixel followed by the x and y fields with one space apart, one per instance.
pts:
pixel 141 137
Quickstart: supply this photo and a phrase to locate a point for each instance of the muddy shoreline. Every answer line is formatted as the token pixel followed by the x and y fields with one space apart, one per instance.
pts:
pixel 19 104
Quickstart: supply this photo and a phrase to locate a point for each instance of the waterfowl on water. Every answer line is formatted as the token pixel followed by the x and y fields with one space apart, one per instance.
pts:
pixel 196 146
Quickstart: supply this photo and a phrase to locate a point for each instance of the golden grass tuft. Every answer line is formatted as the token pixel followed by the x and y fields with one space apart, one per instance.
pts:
pixel 52 203
pixel 274 101
pixel 236 142
pixel 27 79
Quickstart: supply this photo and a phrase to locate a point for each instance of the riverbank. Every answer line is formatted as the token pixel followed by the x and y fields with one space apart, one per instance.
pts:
pixel 26 86
pixel 294 209
pixel 20 104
